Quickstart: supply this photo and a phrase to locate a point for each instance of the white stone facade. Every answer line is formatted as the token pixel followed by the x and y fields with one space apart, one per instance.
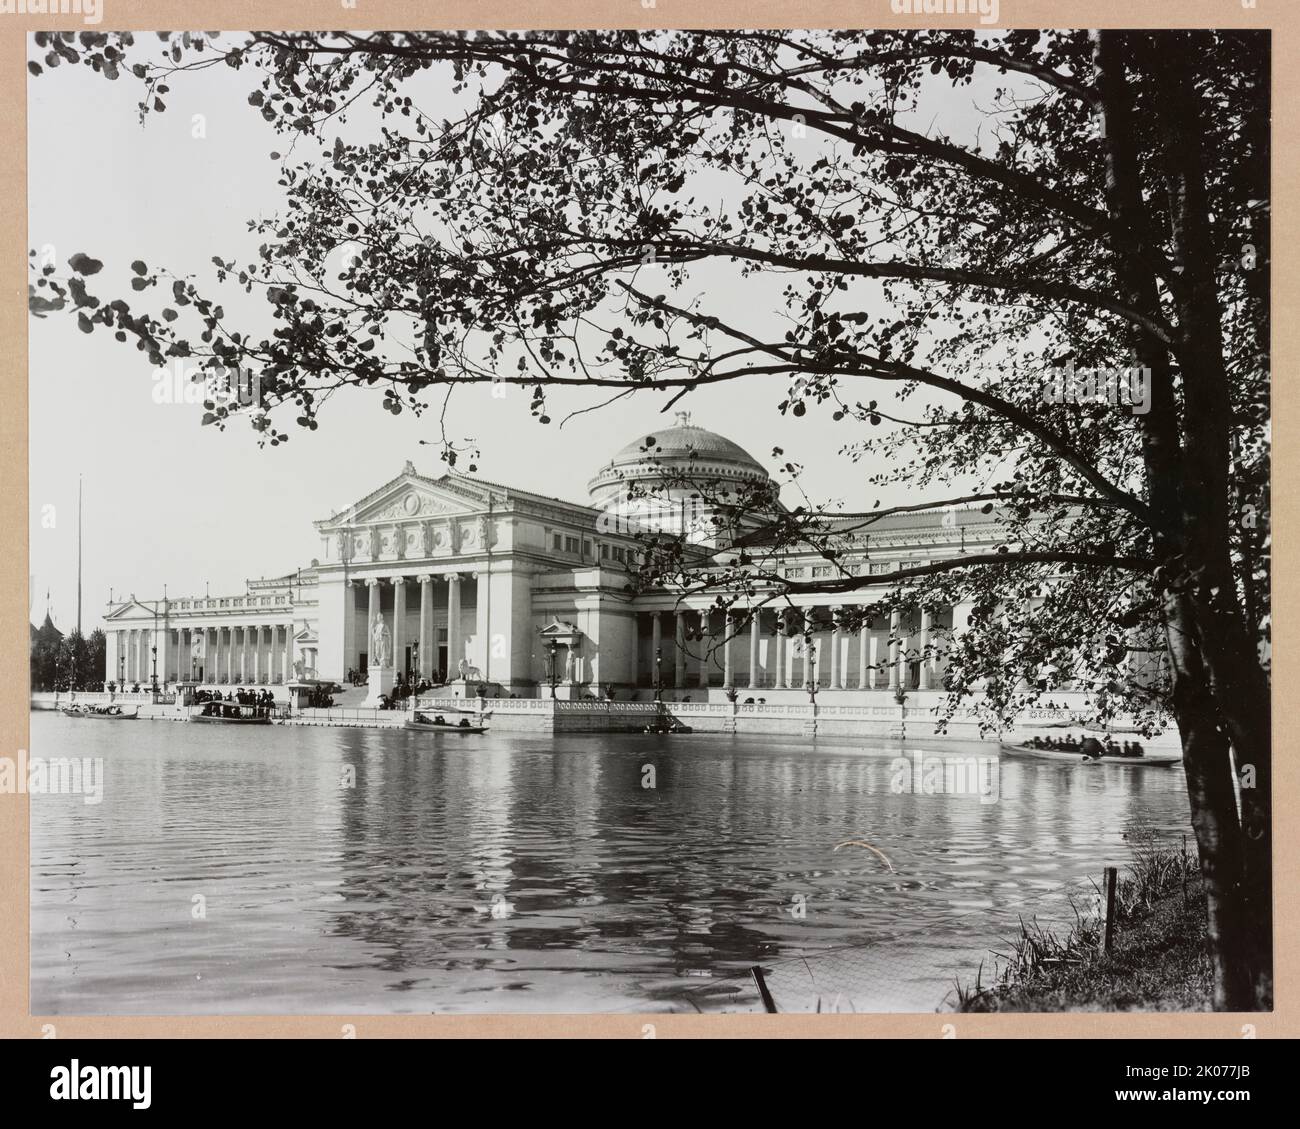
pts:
pixel 526 591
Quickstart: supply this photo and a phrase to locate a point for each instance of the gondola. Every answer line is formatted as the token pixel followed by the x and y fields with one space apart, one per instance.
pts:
pixel 1146 760
pixel 424 724
pixel 101 713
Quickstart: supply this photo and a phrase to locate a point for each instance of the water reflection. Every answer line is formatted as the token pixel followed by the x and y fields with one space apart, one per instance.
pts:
pixel 239 872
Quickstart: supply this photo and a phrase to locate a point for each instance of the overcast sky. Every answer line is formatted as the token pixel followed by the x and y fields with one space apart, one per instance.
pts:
pixel 168 501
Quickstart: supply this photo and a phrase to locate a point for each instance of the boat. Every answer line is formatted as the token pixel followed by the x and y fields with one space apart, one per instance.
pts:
pixel 1146 760
pixel 232 714
pixel 103 713
pixel 425 724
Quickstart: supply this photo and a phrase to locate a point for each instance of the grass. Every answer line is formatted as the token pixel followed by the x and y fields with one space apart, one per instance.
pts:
pixel 1158 960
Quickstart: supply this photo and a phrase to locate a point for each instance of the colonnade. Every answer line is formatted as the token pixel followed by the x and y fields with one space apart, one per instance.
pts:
pixel 790 649
pixel 249 654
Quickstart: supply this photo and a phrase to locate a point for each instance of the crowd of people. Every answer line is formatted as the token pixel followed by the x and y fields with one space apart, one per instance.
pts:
pixel 215 705
pixel 1090 747
pixel 359 678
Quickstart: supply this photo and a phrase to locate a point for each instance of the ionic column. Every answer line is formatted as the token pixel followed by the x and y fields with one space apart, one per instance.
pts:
pixel 636 645
pixel 455 648
pixel 230 658
pixel 679 637
pixel 399 625
pixel 894 649
pixel 873 644
pixel 371 619
pixel 426 625
pixel 837 669
pixel 905 666
pixel 927 623
pixel 728 675
pixel 705 637
pixel 753 650
pixel 864 656
pixel 779 643
pixel 245 656
pixel 289 632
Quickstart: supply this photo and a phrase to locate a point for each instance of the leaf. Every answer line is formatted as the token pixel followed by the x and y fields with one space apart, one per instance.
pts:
pixel 139 267
pixel 84 324
pixel 84 264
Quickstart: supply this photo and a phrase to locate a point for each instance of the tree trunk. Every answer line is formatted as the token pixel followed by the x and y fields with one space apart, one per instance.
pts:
pixel 1229 654
pixel 1214 668
pixel 1212 794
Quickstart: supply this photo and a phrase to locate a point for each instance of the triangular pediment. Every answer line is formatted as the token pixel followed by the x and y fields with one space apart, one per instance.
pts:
pixel 412 497
pixel 132 609
pixel 561 631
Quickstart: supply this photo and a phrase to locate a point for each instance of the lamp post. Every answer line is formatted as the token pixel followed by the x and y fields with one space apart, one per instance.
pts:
pixel 810 656
pixel 153 650
pixel 552 650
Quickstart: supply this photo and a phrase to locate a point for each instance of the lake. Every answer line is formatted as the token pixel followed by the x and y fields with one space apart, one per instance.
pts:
pixel 292 869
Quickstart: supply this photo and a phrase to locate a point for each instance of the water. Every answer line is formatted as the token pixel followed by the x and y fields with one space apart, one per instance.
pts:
pixel 234 871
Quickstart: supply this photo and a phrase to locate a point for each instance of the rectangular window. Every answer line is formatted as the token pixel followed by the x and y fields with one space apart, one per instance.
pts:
pixel 604 552
pixel 821 570
pixel 795 573
pixel 556 543
pixel 879 567
pixel 586 548
pixel 571 545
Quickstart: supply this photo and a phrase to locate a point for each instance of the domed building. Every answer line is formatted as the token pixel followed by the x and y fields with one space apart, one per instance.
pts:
pixel 679 479
pixel 455 581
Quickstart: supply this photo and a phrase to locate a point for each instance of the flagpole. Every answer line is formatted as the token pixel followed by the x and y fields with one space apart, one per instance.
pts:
pixel 78 554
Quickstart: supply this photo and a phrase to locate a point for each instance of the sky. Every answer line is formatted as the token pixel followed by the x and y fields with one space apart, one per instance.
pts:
pixel 168 502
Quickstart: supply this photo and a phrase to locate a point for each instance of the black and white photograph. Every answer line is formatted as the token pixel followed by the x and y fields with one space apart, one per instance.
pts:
pixel 649 522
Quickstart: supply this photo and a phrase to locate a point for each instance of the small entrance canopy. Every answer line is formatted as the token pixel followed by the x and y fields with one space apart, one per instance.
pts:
pixel 566 634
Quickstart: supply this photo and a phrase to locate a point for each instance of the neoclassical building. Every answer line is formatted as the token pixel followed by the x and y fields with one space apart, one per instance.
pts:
pixel 523 591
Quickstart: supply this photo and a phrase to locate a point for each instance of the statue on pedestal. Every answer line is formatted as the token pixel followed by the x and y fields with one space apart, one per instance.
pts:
pixel 381 645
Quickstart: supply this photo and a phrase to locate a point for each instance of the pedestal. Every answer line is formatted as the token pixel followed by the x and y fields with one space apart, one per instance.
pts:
pixel 299 691
pixel 380 682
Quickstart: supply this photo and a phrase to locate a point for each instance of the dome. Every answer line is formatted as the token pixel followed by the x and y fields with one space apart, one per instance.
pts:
pixel 684 447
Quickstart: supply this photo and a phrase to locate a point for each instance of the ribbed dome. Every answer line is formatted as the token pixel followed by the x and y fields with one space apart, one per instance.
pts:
pixel 682 447
pixel 684 441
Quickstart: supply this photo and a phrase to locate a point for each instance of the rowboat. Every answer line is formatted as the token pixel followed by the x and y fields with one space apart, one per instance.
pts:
pixel 1146 760
pixel 102 713
pixel 424 725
